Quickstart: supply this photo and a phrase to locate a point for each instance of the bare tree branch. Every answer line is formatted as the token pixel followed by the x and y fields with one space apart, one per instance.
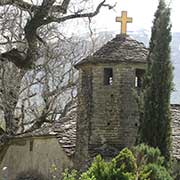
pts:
pixel 19 3
pixel 29 97
pixel 76 15
pixel 42 16
pixel 33 8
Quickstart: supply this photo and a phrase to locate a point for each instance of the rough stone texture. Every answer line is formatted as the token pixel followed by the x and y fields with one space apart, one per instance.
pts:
pixel 83 119
pixel 107 114
pixel 66 134
pixel 118 50
pixel 175 110
pixel 114 111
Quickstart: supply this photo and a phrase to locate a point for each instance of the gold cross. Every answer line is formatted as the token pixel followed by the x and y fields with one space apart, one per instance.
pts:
pixel 124 20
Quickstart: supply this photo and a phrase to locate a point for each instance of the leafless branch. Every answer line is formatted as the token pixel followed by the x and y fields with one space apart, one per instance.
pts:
pixel 41 17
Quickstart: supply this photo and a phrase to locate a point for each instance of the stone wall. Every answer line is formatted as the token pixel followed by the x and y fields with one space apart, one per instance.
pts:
pixel 108 114
pixel 39 154
pixel 84 117
pixel 115 116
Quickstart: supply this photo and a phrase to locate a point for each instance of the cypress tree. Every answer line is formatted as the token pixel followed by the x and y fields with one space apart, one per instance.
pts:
pixel 155 125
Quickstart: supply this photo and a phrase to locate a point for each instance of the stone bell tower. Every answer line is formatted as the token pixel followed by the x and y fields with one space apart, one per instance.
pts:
pixel 107 111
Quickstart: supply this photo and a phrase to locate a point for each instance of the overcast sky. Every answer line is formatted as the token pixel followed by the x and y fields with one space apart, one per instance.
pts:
pixel 142 12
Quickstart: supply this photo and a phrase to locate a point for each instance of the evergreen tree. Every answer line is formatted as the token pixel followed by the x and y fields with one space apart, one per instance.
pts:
pixel 155 126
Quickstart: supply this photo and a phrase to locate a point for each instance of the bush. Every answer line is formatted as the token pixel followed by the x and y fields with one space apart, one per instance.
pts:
pixel 156 172
pixel 143 163
pixel 99 170
pixel 151 163
pixel 125 161
pixel 145 155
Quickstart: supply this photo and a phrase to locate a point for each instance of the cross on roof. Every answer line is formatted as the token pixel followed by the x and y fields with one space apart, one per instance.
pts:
pixel 124 20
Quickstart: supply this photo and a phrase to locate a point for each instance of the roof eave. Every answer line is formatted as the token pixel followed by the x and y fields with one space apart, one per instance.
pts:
pixel 93 61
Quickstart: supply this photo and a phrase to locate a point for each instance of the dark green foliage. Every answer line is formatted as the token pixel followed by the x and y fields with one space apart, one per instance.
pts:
pixel 125 161
pixel 155 125
pixel 121 167
pixel 143 163
pixel 156 172
pixel 70 175
pixel 148 155
pixel 30 175
pixel 98 169
pixel 151 163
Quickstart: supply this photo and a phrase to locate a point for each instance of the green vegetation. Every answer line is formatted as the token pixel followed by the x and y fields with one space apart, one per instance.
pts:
pixel 155 124
pixel 142 163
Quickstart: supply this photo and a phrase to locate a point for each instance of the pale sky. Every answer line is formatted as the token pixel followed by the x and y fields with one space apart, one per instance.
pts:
pixel 142 12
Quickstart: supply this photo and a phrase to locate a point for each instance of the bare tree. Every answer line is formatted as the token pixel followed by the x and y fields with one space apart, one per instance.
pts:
pixel 37 81
pixel 10 83
pixel 32 17
pixel 48 91
pixel 44 94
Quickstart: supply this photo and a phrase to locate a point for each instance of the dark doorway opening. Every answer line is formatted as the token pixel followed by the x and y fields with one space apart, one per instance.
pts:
pixel 108 76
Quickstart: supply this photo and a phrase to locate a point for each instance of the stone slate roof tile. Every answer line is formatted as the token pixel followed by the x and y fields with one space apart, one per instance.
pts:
pixel 64 130
pixel 45 130
pixel 118 50
pixel 175 110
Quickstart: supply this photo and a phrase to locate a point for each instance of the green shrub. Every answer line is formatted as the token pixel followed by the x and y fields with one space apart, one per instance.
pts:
pixel 69 176
pixel 125 161
pixel 145 154
pixel 143 163
pixel 156 172
pixel 98 170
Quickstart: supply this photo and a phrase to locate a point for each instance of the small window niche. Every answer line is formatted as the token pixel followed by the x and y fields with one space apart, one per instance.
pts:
pixel 139 78
pixel 31 143
pixel 108 76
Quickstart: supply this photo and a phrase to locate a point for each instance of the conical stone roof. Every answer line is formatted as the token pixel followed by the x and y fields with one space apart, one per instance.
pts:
pixel 121 49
